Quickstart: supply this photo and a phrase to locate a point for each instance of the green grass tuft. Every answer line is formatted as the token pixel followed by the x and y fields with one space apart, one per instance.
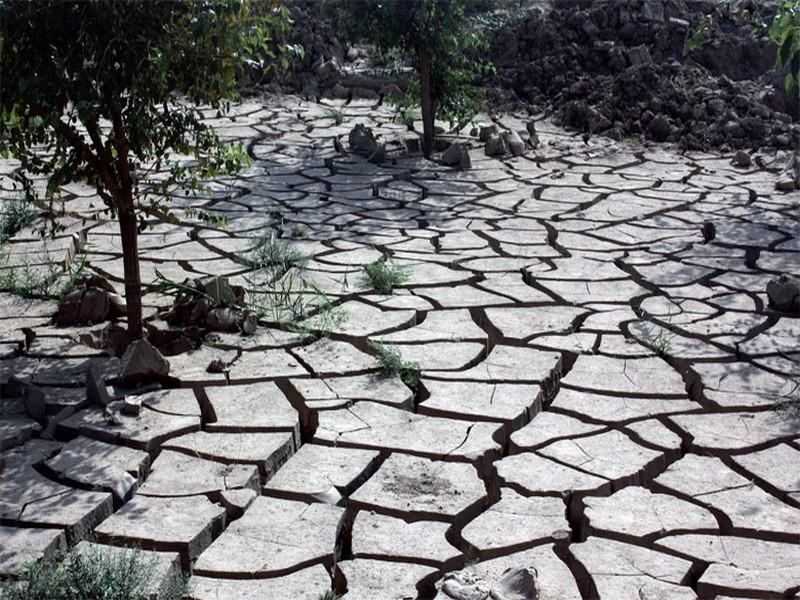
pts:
pixel 45 280
pixel 337 114
pixel 15 215
pixel 274 255
pixel 394 365
pixel 383 275
pixel 92 574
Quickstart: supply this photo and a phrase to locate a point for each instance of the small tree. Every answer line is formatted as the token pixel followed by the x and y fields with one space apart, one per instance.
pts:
pixel 441 39
pixel 785 31
pixel 104 91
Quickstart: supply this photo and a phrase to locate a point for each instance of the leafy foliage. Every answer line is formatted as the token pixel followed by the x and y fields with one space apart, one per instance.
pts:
pixel 107 89
pixel 393 364
pixel 42 278
pixel 699 36
pixel 438 36
pixel 90 575
pixel 383 275
pixel 15 215
pixel 785 31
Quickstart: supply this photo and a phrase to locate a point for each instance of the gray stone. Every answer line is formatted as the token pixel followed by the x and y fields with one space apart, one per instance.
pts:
pixel 784 293
pixel 495 146
pixel 142 362
pixel 20 546
pixel 457 155
pixel 514 143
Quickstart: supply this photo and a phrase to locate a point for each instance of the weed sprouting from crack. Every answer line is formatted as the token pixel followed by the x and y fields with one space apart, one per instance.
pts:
pixel 91 574
pixel 394 365
pixel 384 274
pixel 45 279
pixel 335 113
pixel 788 403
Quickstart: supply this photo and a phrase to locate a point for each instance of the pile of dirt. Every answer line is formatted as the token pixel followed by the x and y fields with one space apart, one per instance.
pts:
pixel 616 67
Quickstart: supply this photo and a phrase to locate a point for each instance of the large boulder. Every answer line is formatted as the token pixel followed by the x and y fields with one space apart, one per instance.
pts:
pixel 457 155
pixel 784 294
pixel 495 146
pixel 514 143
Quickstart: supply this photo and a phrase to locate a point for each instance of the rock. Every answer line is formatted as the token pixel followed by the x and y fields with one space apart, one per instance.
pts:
pixel 639 55
pixel 790 177
pixel 741 159
pixel 514 584
pixel 142 362
pixel 362 141
pixel 91 301
pixel 328 72
pixel 533 141
pixel 486 132
pixel 659 128
pixel 784 293
pixel 514 143
pixel 96 390
pixel 733 129
pixel 131 406
pixel 229 319
pixel 35 404
pixel 412 145
pixel 457 155
pixel 495 146
pixel 709 231
pixel 378 155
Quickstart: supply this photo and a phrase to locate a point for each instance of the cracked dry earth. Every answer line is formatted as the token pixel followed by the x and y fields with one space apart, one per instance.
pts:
pixel 597 396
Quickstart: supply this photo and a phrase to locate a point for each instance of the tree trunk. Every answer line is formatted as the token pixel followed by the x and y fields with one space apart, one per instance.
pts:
pixel 130 258
pixel 426 100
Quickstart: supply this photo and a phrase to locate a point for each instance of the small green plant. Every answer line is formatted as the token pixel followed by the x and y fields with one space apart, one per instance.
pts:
pixel 329 595
pixel 699 36
pixel 383 275
pixel 785 31
pixel 393 364
pixel 337 114
pixel 45 280
pixel 274 255
pixel 788 403
pixel 15 215
pixel 91 574
pixel 659 339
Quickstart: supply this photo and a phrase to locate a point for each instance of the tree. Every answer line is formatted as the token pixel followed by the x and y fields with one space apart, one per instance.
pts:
pixel 104 91
pixel 785 31
pixel 441 39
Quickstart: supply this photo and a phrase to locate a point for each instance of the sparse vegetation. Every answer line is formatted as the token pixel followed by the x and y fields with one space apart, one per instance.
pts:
pixel 788 403
pixel 337 114
pixel 15 215
pixel 274 255
pixel 92 574
pixel 659 339
pixel 394 365
pixel 384 275
pixel 330 595
pixel 699 36
pixel 43 279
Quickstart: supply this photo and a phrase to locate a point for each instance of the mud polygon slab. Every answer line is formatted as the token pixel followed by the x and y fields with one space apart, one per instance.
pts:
pixel 539 475
pixel 273 536
pixel 740 565
pixel 147 431
pixel 389 538
pixel 322 473
pixel 184 525
pixel 306 584
pixel 177 474
pixel 268 451
pixel 376 426
pixel 638 512
pixel 507 403
pixel 413 487
pixel 256 407
pixel 20 546
pixel 371 579
pixel 644 376
pixel 516 520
